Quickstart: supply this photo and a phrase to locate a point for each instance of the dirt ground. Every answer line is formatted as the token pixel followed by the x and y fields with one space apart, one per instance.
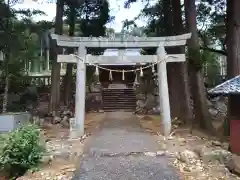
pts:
pixel 63 153
pixel 63 156
pixel 183 142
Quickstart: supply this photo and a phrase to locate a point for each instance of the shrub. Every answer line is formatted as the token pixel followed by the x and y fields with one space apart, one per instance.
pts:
pixel 22 151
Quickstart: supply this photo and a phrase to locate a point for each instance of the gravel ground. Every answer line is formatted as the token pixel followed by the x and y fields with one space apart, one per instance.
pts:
pixel 119 151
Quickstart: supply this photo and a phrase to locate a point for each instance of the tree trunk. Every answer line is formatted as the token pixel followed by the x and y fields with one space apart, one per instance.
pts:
pixel 202 116
pixel 5 95
pixel 177 72
pixel 6 61
pixel 171 68
pixel 69 77
pixel 233 58
pixel 185 113
pixel 55 76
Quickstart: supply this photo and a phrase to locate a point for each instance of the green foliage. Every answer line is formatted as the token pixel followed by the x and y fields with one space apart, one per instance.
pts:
pixel 203 58
pixel 212 68
pixel 211 15
pixel 95 14
pixel 20 41
pixel 22 151
pixel 3 138
pixel 196 57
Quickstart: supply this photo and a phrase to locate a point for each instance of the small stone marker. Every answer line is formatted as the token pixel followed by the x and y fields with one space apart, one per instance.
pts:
pixel 73 128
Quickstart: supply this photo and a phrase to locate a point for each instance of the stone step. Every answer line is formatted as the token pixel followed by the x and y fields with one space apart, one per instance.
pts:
pixel 120 97
pixel 108 103
pixel 113 110
pixel 119 105
pixel 118 93
pixel 116 99
pixel 117 108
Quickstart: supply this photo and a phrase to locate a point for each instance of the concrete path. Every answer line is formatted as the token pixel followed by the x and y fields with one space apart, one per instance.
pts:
pixel 118 152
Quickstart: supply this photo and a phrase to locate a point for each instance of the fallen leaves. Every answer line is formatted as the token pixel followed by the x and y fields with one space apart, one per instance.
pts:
pixel 196 157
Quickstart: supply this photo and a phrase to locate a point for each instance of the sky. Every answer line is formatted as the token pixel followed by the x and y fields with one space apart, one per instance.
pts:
pixel 116 7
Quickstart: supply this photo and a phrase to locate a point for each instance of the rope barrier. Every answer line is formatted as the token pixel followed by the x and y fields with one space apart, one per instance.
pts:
pixel 124 71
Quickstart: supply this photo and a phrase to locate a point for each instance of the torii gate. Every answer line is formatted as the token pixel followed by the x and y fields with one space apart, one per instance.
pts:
pixel 131 42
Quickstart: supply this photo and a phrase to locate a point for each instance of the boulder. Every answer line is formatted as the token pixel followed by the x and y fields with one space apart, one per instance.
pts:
pixel 213 112
pixel 213 154
pixel 140 103
pixel 221 106
pixel 38 121
pixel 220 155
pixel 188 157
pixel 56 120
pixel 216 143
pixel 65 121
pixel 152 154
pixel 234 164
pixel 46 160
pixel 160 153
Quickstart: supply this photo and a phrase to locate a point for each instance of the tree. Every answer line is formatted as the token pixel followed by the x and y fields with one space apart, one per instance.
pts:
pixel 165 19
pixel 71 17
pixel 211 17
pixel 7 14
pixel 15 37
pixel 91 18
pixel 55 75
pixel 181 69
pixel 233 58
pixel 202 116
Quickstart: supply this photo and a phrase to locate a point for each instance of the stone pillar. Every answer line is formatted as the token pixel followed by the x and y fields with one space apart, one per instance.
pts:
pixel 35 65
pixel 163 92
pixel 47 60
pixel 80 93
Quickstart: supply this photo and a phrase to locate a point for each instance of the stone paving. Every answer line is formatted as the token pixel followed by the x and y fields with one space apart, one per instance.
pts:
pixel 122 150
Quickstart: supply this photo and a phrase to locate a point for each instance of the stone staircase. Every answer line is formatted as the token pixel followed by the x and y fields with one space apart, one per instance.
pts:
pixel 119 99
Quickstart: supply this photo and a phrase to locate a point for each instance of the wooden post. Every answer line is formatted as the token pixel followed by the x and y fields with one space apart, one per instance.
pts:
pixel 80 92
pixel 163 92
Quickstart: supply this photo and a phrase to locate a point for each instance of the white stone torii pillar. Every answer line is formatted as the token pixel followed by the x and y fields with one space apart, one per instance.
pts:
pixel 163 91
pixel 80 93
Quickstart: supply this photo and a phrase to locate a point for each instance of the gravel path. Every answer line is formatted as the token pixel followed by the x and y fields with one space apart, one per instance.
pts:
pixel 118 152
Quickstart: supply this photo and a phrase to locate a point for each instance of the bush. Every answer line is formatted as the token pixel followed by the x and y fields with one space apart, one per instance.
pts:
pixel 22 151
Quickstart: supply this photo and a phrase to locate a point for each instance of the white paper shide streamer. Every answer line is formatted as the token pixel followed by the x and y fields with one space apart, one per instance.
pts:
pixel 136 79
pixel 141 72
pixel 97 71
pixel 123 75
pixel 153 69
pixel 110 75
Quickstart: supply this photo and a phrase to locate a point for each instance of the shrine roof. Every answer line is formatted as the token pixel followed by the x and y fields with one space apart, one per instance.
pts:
pixel 231 86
